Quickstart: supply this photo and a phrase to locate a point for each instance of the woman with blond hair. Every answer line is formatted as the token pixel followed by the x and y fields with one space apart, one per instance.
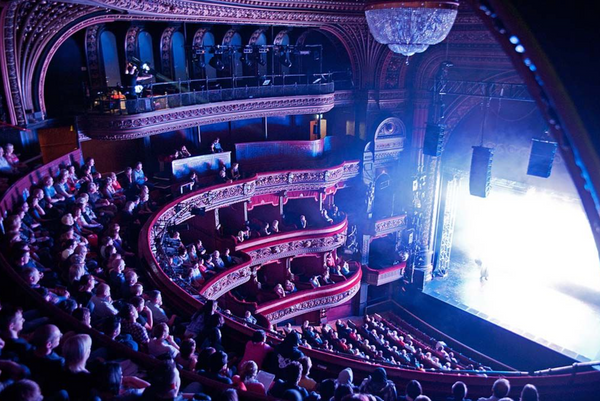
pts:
pixel 77 380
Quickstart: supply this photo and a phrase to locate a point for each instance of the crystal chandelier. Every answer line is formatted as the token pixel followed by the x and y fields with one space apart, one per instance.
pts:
pixel 410 27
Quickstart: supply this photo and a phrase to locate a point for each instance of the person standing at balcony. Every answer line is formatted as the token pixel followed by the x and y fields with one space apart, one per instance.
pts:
pixel 215 146
pixel 275 226
pixel 265 231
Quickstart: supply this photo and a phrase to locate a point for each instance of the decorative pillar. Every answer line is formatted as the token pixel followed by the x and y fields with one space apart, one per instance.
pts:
pixel 245 209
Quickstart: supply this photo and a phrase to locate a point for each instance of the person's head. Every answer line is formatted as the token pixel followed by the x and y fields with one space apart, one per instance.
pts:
pixel 90 161
pixel 10 148
pixel 293 373
pixel 342 391
pixel 48 181
pixel 22 390
pixel 165 380
pixel 138 166
pixel 76 351
pixel 155 296
pixel 217 362
pixel 31 275
pixel 249 370
pixel 161 331
pixel 103 290
pixel 109 377
pixel 129 313
pixel 46 338
pixel 214 336
pixel 112 326
pixel 459 390
pixel 529 393
pixel 414 389
pixel 346 376
pixel 11 320
pixel 501 388
pixel 87 283
pixel 327 389
pixel 188 347
pixel 128 171
pixel 83 315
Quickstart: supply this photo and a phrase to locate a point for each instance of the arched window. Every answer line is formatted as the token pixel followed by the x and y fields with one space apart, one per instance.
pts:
pixel 145 49
pixel 110 57
pixel 179 61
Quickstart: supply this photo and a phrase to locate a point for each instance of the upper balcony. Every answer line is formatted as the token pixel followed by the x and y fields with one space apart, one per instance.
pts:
pixel 169 106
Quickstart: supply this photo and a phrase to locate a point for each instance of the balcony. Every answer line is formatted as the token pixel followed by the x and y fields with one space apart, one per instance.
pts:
pixel 170 106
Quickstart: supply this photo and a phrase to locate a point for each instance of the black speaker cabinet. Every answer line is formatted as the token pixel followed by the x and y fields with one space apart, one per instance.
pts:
pixel 434 140
pixel 541 158
pixel 481 171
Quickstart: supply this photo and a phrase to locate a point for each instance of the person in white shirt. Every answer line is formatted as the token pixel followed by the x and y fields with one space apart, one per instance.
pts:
pixel 162 343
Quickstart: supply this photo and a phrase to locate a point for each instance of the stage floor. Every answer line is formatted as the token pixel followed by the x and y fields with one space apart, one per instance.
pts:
pixel 557 313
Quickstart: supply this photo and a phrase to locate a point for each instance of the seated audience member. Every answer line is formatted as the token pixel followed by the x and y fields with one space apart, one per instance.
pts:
pixel 346 376
pixel 314 282
pixel 529 393
pixel 215 146
pixel 247 378
pixel 184 152
pixel 500 389
pixel 45 364
pixel 256 349
pixel 240 237
pixel 379 385
pixel 289 287
pixel 264 230
pixel 5 167
pixel 342 392
pixel 217 368
pixel 22 390
pixel 103 304
pixel 76 378
pixel 279 291
pixel 129 325
pixel 162 343
pixel 187 357
pixel 234 172
pixel 302 223
pixel 292 374
pixel 306 381
pixel 215 261
pixel 326 217
pixel 12 158
pixel 222 176
pixel 288 351
pixel 459 392
pixel 139 177
pixel 275 226
pixel 165 383
pixel 159 315
pixel 249 318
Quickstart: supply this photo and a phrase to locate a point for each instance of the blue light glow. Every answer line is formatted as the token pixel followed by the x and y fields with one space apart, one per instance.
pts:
pixel 513 39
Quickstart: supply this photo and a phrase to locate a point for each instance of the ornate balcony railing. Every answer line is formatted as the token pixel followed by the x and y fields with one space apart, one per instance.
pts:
pixel 292 243
pixel 310 300
pixel 262 249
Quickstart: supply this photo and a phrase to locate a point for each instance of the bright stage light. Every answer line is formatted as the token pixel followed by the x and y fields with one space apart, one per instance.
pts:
pixel 544 271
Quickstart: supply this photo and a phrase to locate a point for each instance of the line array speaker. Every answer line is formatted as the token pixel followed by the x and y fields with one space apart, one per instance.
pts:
pixel 541 158
pixel 481 171
pixel 434 140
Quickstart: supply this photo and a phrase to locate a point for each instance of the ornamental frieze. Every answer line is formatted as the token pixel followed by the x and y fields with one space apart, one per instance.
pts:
pixel 389 225
pixel 229 281
pixel 313 304
pixel 298 247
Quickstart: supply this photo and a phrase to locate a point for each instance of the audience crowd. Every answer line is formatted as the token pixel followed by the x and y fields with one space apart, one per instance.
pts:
pixel 73 241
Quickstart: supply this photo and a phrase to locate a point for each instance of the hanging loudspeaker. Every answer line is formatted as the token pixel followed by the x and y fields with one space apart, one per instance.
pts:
pixel 481 171
pixel 541 158
pixel 434 140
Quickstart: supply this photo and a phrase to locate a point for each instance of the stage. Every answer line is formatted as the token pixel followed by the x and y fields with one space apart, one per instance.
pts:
pixel 543 269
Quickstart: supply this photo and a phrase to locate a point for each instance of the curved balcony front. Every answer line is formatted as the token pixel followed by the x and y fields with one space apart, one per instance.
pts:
pixel 131 126
pixel 277 246
pixel 310 300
